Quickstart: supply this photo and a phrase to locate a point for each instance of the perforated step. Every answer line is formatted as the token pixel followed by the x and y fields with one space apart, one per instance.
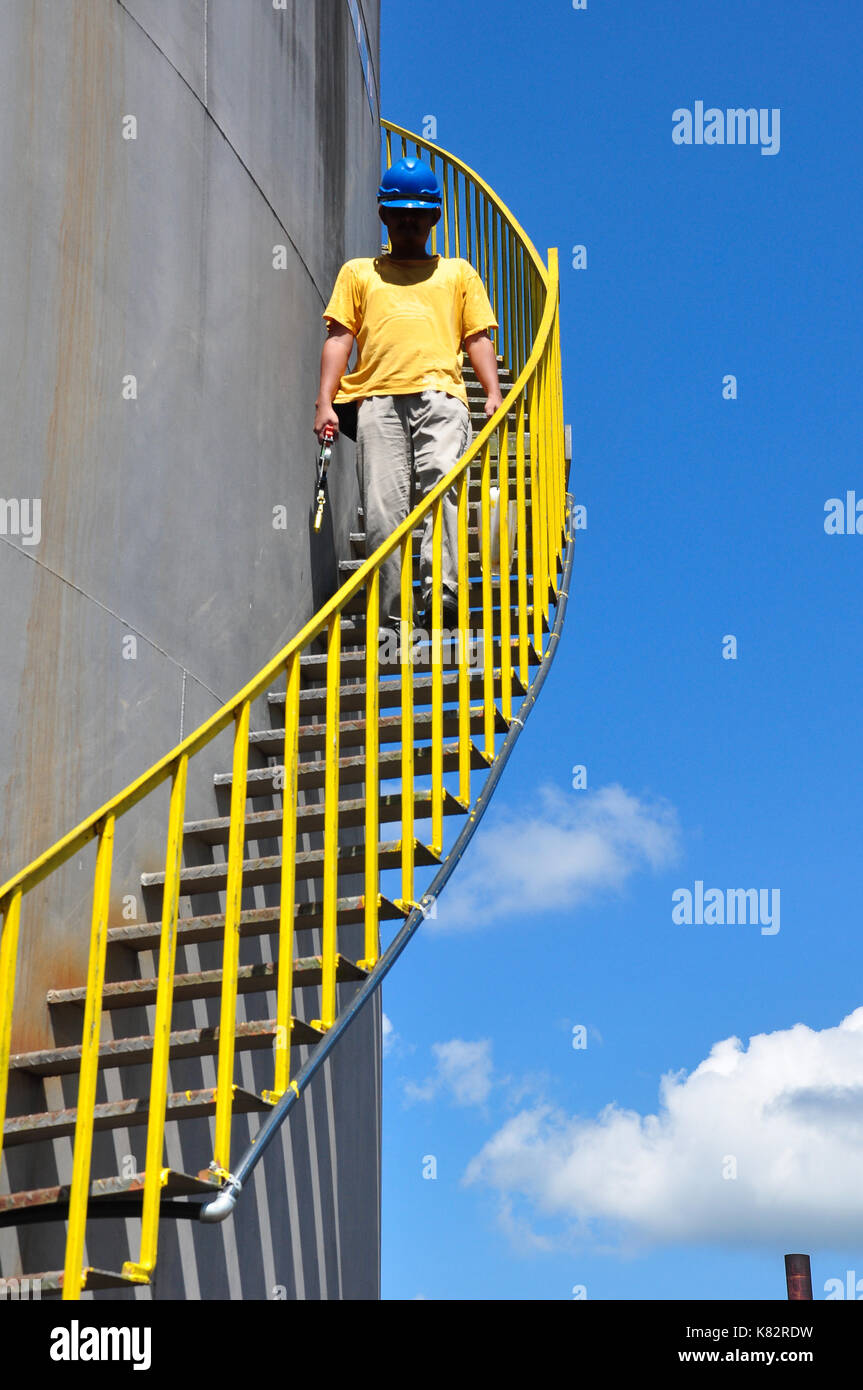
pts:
pixel 353 696
pixel 105 1194
pixel 258 921
pixel 129 1052
pixel 60 1124
pixel 207 984
pixel 262 825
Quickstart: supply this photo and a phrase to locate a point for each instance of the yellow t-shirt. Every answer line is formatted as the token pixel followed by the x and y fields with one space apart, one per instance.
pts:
pixel 410 319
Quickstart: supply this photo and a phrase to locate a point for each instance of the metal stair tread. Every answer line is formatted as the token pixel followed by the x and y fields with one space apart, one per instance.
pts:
pixel 353 694
pixel 254 921
pixel 475 596
pixel 187 1042
pixel 354 659
pixel 310 817
pixel 205 984
pixel 387 724
pixel 106 1190
pixel 350 567
pixel 117 1114
pixel 356 621
pixel 351 768
pixel 352 732
pixel 52 1282
pixel 211 878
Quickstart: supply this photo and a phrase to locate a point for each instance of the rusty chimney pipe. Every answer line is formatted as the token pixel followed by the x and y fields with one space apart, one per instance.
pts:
pixel 798 1276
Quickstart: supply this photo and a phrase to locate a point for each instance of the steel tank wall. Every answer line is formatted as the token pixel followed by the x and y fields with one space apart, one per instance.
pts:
pixel 179 182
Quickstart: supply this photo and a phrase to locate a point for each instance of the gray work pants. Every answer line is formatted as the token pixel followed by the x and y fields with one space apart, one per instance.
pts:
pixel 404 441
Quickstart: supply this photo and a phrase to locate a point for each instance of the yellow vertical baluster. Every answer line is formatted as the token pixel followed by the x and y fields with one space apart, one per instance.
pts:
pixel 288 887
pixel 80 1190
pixel 496 280
pixel 487 617
pixel 231 949
pixel 372 798
pixel 407 729
pixel 331 826
pixel 437 680
pixel 468 218
pixel 8 964
pixel 556 456
pixel 521 543
pixel 523 309
pixel 553 464
pixel 482 225
pixel 456 211
pixel 535 522
pixel 560 482
pixel 548 470
pixel 512 309
pixel 464 739
pixel 541 473
pixel 556 441
pixel 162 1031
pixel 505 612
pixel 558 430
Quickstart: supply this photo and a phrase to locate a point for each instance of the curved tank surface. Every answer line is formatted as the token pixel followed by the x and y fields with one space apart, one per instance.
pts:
pixel 181 180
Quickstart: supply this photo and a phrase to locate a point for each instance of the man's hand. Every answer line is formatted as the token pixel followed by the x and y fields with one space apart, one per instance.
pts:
pixel 492 401
pixel 325 415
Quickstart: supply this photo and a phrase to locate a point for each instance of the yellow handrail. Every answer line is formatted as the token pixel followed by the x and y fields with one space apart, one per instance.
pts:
pixel 524 293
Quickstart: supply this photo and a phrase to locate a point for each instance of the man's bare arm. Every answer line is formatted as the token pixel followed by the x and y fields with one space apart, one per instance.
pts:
pixel 480 350
pixel 335 356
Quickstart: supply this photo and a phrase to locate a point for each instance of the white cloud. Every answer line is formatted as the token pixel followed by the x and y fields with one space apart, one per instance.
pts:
pixel 574 845
pixel 463 1072
pixel 788 1110
pixel 388 1034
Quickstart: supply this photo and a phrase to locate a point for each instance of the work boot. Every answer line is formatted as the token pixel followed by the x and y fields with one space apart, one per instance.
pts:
pixel 449 610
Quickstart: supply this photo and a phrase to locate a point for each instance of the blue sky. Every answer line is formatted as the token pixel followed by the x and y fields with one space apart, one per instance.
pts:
pixel 705 517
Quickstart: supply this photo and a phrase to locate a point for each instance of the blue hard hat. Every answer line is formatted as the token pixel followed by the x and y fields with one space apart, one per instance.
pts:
pixel 409 183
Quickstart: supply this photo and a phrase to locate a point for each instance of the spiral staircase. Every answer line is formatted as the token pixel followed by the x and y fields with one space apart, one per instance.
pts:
pixel 344 747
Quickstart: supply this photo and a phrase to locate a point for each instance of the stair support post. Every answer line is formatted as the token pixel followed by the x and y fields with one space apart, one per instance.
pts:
pixel 231 952
pixel 437 680
pixel 154 1175
pixel 511 306
pixel 8 967
pixel 463 675
pixel 331 826
pixel 496 274
pixel 560 472
pixel 521 544
pixel 487 615
pixel 541 596
pixel 407 694
pixel 73 1276
pixel 287 893
pixel 372 783
pixel 456 211
pixel 469 223
pixel 503 574
pixel 535 521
